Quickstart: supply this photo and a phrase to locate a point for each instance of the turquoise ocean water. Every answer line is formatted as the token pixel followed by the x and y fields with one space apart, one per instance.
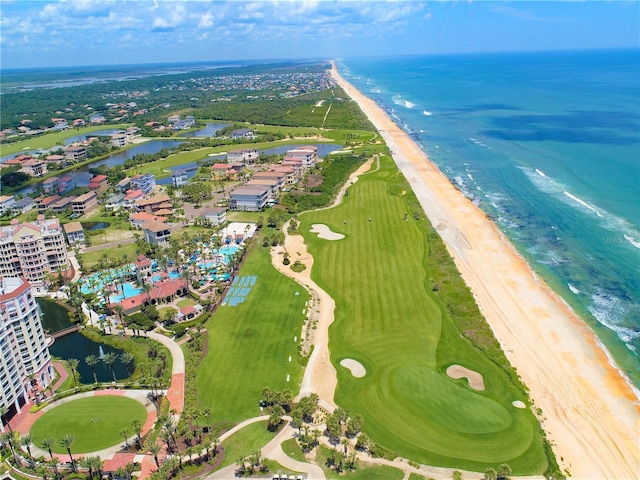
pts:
pixel 548 145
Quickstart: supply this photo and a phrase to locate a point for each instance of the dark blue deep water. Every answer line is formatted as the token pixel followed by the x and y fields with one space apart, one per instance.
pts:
pixel 547 144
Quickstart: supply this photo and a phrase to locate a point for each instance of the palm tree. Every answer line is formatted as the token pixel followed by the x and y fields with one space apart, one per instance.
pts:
pixel 125 434
pixel 127 358
pixel 490 474
pixel 8 438
pixel 119 309
pixel 154 449
pixel 137 429
pixel 53 463
pixel 47 444
pixel 92 361
pixel 504 471
pixel 109 359
pixel 25 441
pixel 73 365
pixel 3 411
pixel 66 442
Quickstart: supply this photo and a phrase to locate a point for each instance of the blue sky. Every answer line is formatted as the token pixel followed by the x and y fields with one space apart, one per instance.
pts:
pixel 43 33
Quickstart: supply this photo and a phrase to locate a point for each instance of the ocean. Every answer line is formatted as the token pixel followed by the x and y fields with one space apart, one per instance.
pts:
pixel 548 145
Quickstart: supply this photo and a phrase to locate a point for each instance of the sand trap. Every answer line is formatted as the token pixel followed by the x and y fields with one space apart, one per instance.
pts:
pixel 474 378
pixel 325 232
pixel 356 368
pixel 518 404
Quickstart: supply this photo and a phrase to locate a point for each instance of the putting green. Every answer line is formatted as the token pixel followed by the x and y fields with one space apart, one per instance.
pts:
pixel 95 422
pixel 390 318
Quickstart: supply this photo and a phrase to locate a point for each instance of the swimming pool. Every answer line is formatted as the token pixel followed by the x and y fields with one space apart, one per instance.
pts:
pixel 129 291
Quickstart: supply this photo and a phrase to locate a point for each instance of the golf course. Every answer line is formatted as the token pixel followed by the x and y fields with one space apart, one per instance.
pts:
pixel 404 314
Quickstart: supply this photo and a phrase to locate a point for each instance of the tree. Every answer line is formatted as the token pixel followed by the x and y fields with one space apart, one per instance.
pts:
pixel 354 425
pixel 109 359
pixel 362 442
pixel 3 411
pixel 490 474
pixel 125 434
pixel 73 365
pixel 154 449
pixel 66 442
pixel 47 444
pixel 504 471
pixel 137 429
pixel 127 358
pixel 92 361
pixel 334 428
pixel 275 418
pixel 25 441
pixel 457 474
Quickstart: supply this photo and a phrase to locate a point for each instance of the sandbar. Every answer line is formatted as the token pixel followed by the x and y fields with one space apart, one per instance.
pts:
pixel 354 366
pixel 590 412
pixel 474 378
pixel 325 233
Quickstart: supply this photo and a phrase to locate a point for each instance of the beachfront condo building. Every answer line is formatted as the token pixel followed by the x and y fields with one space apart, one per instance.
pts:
pixel 25 362
pixel 31 250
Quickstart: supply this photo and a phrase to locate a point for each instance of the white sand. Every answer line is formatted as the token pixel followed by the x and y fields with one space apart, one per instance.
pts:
pixel 518 404
pixel 354 366
pixel 474 378
pixel 325 233
pixel 590 412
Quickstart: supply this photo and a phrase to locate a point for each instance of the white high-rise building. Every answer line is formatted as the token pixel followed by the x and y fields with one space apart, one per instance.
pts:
pixel 25 363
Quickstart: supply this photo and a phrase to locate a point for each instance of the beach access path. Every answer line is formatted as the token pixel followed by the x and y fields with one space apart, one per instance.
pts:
pixel 589 411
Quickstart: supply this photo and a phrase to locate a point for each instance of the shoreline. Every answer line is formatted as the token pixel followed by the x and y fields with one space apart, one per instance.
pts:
pixel 589 409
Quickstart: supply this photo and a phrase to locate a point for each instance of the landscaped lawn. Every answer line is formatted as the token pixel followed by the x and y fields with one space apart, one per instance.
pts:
pixel 250 344
pixel 363 472
pixel 292 449
pixel 389 318
pixel 245 442
pixel 186 302
pixel 95 422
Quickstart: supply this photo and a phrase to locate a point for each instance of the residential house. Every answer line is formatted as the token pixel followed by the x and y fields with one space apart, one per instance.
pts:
pixel 119 140
pixel 85 203
pixel 74 232
pixel 249 198
pixel 153 204
pixel 290 174
pixel 138 219
pixel 114 202
pixel 244 156
pixel 131 199
pixel 58 185
pixel 55 160
pixel 241 133
pixel 145 182
pixel 179 178
pixel 46 202
pixel 224 171
pixel 123 185
pixel 97 118
pixel 99 184
pixel 62 205
pixel 75 153
pixel 273 186
pixel 156 233
pixel 6 202
pixel 306 156
pixel 34 167
pixel 215 216
pixel 173 118
pixel 23 205
pixel 79 122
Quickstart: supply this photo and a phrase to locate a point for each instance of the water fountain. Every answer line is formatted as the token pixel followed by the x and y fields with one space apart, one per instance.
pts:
pixel 100 352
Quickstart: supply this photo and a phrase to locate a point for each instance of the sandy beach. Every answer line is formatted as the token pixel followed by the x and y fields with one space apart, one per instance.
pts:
pixel 589 411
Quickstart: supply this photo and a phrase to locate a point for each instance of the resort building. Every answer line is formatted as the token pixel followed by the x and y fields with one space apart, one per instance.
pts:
pixel 85 203
pixel 144 269
pixel 245 156
pixel 58 185
pixel 46 202
pixel 32 250
pixel 249 198
pixel 145 182
pixel 179 178
pixel 305 156
pixel 163 292
pixel 34 168
pixel 25 363
pixel 153 204
pixel 75 233
pixel 119 140
pixel 63 205
pixel 273 185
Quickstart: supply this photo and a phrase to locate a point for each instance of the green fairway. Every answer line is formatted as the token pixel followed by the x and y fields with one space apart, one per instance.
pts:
pixel 389 318
pixel 95 422
pixel 245 442
pixel 250 344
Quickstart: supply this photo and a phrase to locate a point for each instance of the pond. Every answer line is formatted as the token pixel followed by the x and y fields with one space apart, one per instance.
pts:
pixel 75 345
pixel 94 225
pixel 152 146
pixel 208 131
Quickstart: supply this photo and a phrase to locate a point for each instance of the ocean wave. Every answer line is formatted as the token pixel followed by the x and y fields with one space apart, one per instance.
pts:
pixel 609 310
pixel 398 100
pixel 574 289
pixel 375 90
pixel 608 220
pixel 427 113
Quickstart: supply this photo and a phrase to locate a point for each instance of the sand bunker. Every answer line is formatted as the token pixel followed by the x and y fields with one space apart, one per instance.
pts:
pixel 325 232
pixel 474 378
pixel 356 368
pixel 518 404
